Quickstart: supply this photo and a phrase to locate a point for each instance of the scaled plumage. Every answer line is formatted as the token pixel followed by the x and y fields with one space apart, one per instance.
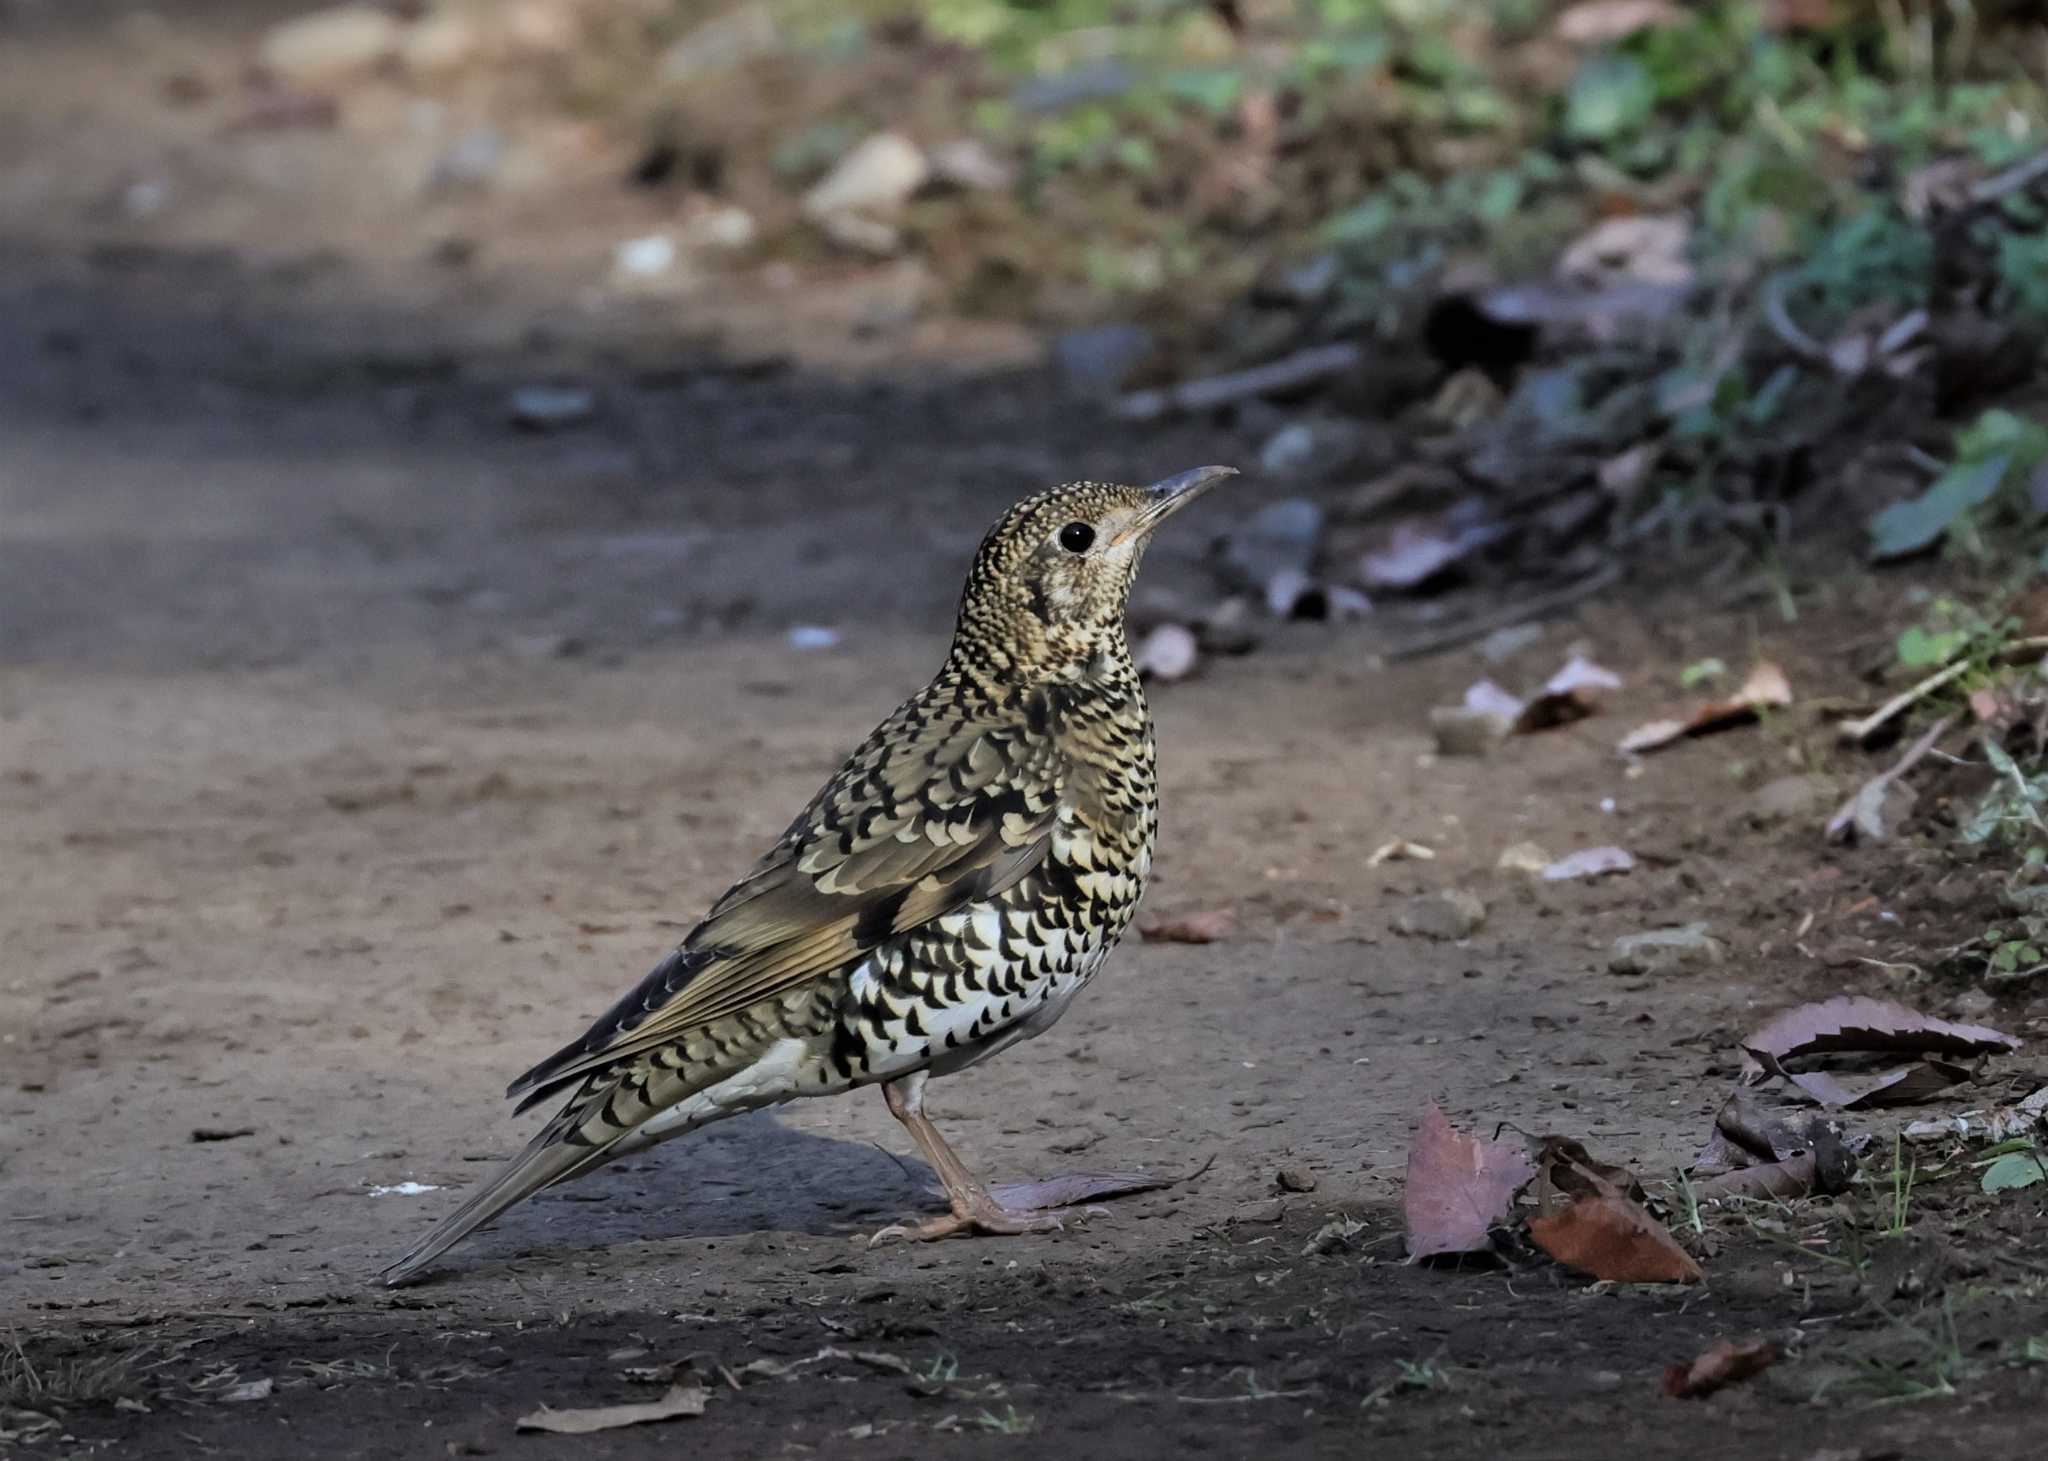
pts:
pixel 943 896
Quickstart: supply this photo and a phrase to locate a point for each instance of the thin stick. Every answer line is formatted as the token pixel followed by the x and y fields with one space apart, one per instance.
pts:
pixel 1860 731
pixel 1485 624
pixel 1290 372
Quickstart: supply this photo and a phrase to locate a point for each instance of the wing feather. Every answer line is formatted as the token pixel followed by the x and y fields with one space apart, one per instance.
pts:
pixel 924 819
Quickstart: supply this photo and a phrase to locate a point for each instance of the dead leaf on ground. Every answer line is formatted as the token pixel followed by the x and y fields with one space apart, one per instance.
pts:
pixel 680 1400
pixel 1753 1153
pixel 1073 1188
pixel 1858 1022
pixel 1794 1177
pixel 1765 688
pixel 1419 550
pixel 1902 1087
pixel 1205 927
pixel 1724 1362
pixel 1885 800
pixel 1400 850
pixel 1589 862
pixel 1572 694
pixel 1610 1237
pixel 1458 1187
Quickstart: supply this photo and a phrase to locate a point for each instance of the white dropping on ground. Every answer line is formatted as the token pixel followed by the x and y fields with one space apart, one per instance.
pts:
pixel 403 1189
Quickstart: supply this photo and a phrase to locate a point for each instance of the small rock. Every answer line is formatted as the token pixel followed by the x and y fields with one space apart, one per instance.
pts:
pixel 647 257
pixel 1278 537
pixel 1101 359
pixel 329 44
pixel 1665 950
pixel 1449 915
pixel 1524 857
pixel 1228 629
pixel 730 40
pixel 877 176
pixel 1295 1179
pixel 721 228
pixel 472 161
pixel 1289 449
pixel 967 163
pixel 1169 653
pixel 1270 1211
pixel 1788 799
pixel 1461 730
pixel 552 407
pixel 1590 862
pixel 1972 1004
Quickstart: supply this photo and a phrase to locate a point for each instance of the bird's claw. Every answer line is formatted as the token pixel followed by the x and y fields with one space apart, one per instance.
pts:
pixel 986 1217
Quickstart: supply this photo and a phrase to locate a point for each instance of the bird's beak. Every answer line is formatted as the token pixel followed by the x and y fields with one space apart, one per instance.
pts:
pixel 1170 496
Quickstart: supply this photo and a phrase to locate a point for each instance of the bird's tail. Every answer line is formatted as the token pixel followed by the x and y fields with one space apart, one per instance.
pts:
pixel 548 1159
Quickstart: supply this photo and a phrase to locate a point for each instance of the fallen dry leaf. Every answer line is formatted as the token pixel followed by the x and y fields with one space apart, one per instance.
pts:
pixel 1573 693
pixel 1400 850
pixel 1417 550
pixel 1794 1177
pixel 1902 1087
pixel 1885 799
pixel 1723 1362
pixel 1590 862
pixel 1753 1153
pixel 1610 1237
pixel 1458 1187
pixel 1074 1188
pixel 1205 927
pixel 680 1400
pixel 1857 1022
pixel 1765 688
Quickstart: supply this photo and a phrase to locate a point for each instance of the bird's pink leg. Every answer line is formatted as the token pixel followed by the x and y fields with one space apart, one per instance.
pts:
pixel 975 1210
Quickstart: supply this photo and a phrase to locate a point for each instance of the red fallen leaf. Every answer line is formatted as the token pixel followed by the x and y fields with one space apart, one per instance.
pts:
pixel 1612 1238
pixel 1458 1187
pixel 1765 687
pixel 1188 928
pixel 1857 1022
pixel 1723 1362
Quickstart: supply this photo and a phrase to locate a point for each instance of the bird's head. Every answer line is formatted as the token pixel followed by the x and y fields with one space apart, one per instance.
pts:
pixel 1046 596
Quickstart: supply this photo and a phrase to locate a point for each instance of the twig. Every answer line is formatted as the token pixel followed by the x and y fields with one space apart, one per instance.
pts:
pixel 1484 624
pixel 1860 731
pixel 2001 184
pixel 1779 318
pixel 1846 820
pixel 1290 372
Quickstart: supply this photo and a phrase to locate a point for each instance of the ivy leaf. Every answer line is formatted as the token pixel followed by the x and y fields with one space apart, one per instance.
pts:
pixel 1909 527
pixel 2014 1171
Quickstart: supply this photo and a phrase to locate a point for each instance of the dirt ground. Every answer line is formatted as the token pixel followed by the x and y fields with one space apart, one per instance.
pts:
pixel 357 748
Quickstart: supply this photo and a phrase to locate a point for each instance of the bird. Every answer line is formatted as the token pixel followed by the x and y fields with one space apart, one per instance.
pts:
pixel 946 894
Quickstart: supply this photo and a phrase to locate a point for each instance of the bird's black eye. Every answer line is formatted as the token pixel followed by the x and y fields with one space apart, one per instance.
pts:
pixel 1076 537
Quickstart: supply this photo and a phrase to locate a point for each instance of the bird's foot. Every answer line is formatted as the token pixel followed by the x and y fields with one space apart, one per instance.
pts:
pixel 976 1213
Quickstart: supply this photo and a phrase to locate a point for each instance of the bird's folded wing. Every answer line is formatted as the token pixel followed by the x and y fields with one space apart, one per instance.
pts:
pixel 923 820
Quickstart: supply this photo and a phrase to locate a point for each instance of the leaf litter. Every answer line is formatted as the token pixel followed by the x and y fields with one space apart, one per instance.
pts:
pixel 1458 1188
pixel 1722 1363
pixel 1767 688
pixel 1862 1023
